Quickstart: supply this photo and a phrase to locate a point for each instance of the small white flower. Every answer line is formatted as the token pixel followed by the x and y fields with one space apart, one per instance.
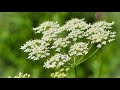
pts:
pixel 60 64
pixel 58 49
pixel 104 42
pixel 99 45
pixel 110 40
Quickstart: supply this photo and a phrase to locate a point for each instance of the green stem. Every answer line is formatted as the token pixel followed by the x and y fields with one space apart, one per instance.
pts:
pixel 87 57
pixel 75 70
pixel 84 55
pixel 100 69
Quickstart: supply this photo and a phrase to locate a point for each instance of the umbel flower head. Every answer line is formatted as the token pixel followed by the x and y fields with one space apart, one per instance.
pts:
pixel 56 61
pixel 62 73
pixel 21 75
pixel 99 33
pixel 78 49
pixel 60 44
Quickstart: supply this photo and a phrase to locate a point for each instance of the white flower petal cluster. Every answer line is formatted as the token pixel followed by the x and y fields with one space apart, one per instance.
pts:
pixel 48 29
pixel 56 61
pixel 36 49
pixel 78 49
pixel 49 35
pixel 76 28
pixel 102 24
pixel 48 25
pixel 76 33
pixel 99 34
pixel 60 42
pixel 76 23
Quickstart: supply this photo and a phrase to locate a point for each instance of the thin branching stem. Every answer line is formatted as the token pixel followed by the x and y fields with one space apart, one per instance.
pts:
pixel 75 70
pixel 84 55
pixel 87 57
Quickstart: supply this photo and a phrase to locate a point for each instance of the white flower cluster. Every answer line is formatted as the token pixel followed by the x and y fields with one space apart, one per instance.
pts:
pixel 48 25
pixel 36 49
pixel 56 61
pixel 48 29
pixel 60 42
pixel 99 34
pixel 77 38
pixel 75 34
pixel 21 75
pixel 62 73
pixel 75 24
pixel 78 49
pixel 49 35
pixel 76 28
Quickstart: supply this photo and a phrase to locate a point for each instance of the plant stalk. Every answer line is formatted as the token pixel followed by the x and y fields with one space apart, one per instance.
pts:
pixel 87 57
pixel 75 70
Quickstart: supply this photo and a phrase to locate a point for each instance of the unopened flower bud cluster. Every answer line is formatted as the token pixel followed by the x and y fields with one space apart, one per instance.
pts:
pixel 21 75
pixel 62 73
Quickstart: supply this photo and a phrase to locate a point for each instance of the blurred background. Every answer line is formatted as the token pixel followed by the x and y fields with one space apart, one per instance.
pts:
pixel 16 29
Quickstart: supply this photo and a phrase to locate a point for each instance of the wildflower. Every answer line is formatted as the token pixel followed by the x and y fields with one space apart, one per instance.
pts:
pixel 58 50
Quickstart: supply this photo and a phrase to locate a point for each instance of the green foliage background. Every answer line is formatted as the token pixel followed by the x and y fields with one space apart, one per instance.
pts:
pixel 16 29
